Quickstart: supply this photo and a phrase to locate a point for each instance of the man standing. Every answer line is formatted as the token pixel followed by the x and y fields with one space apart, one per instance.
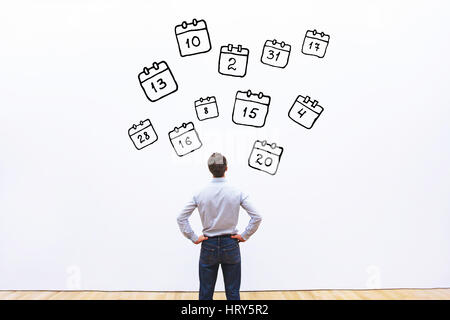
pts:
pixel 218 204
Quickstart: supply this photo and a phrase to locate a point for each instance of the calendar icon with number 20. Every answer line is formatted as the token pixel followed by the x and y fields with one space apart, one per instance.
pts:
pixel 192 38
pixel 157 81
pixel 265 157
pixel 185 139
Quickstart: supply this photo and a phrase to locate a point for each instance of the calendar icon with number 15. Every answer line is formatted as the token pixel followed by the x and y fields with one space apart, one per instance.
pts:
pixel 251 109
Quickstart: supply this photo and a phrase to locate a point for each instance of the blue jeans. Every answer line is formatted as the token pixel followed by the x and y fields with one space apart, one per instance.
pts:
pixel 225 251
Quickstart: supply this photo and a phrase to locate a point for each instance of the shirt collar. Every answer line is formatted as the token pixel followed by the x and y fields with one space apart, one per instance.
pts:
pixel 218 180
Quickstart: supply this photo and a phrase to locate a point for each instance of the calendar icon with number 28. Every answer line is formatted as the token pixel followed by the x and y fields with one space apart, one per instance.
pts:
pixel 185 139
pixel 265 157
pixel 192 38
pixel 157 81
pixel 251 109
pixel 305 111
pixel 142 134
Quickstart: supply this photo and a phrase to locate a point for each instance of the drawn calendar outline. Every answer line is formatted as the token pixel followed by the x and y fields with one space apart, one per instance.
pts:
pixel 259 99
pixel 318 38
pixel 233 67
pixel 261 149
pixel 211 104
pixel 183 131
pixel 162 69
pixel 305 106
pixel 198 29
pixel 272 45
pixel 144 127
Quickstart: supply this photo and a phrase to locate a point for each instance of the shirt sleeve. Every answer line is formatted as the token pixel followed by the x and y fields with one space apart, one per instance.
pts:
pixel 255 218
pixel 183 220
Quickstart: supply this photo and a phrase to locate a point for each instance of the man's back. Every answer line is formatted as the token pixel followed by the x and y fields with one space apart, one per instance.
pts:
pixel 218 205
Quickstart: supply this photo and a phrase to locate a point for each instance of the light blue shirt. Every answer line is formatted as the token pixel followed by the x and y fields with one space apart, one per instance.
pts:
pixel 218 205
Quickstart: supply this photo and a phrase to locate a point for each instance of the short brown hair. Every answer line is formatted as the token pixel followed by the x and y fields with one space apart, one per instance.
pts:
pixel 217 164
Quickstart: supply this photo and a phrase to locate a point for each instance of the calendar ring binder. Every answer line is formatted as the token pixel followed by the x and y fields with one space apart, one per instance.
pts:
pixel 194 22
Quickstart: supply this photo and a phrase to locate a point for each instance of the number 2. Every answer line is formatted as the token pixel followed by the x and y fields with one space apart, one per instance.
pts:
pixel 233 62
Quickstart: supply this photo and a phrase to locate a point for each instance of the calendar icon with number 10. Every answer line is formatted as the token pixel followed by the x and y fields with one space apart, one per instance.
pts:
pixel 251 109
pixel 192 38
pixel 265 157
pixel 184 139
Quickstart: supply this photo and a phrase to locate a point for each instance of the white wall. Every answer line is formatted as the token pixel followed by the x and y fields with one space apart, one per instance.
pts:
pixel 361 200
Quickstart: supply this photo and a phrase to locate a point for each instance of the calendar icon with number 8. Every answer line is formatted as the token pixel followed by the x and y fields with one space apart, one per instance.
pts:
pixel 185 139
pixel 142 134
pixel 206 108
pixel 192 38
pixel 265 157
pixel 157 81
pixel 233 61
pixel 276 54
pixel 315 43
pixel 251 109
pixel 305 111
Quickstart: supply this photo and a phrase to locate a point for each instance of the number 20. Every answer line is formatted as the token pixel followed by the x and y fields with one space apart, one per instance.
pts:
pixel 266 162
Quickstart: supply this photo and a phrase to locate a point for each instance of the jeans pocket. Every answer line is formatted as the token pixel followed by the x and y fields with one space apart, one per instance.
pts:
pixel 231 254
pixel 208 255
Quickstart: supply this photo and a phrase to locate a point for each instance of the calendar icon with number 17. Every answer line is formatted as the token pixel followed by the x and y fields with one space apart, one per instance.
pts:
pixel 315 43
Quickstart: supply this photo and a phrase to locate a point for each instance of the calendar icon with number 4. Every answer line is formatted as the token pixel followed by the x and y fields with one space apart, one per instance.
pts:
pixel 305 111
pixel 157 81
pixel 251 109
pixel 193 38
pixel 276 54
pixel 315 43
pixel 233 61
pixel 142 134
pixel 265 157
pixel 184 139
pixel 206 108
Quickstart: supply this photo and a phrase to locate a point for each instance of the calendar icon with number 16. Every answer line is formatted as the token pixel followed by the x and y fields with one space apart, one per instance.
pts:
pixel 184 139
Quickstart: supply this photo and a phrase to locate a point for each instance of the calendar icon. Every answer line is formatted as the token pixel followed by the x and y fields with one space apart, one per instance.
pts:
pixel 157 81
pixel 206 108
pixel 192 38
pixel 142 134
pixel 305 111
pixel 276 54
pixel 265 157
pixel 233 61
pixel 315 43
pixel 185 139
pixel 250 109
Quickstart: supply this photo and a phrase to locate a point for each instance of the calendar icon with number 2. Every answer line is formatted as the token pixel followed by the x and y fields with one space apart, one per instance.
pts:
pixel 157 81
pixel 233 61
pixel 305 111
pixel 315 43
pixel 192 38
pixel 250 109
pixel 184 139
pixel 142 134
pixel 265 157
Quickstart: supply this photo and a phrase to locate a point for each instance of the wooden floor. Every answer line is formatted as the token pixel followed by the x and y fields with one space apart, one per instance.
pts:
pixel 392 294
